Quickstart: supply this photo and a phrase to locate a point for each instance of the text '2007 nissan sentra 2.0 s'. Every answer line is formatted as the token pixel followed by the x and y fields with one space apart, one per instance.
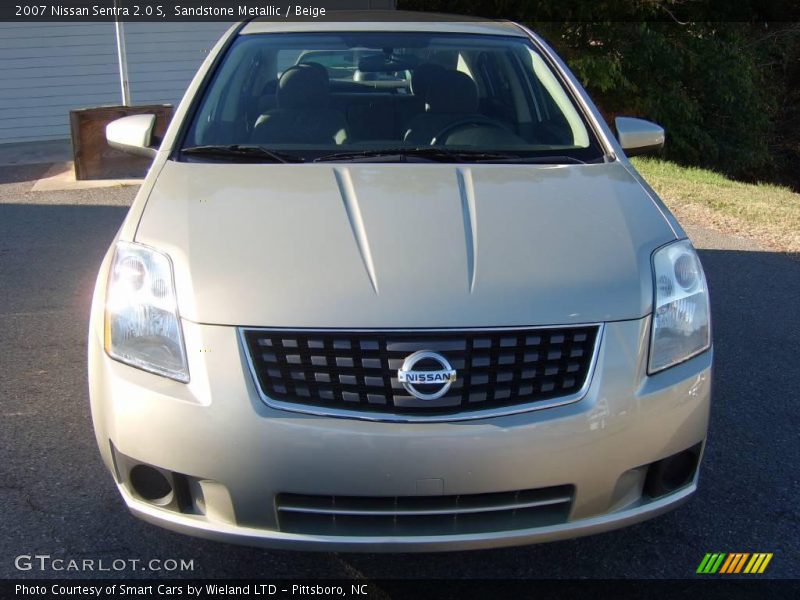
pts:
pixel 395 286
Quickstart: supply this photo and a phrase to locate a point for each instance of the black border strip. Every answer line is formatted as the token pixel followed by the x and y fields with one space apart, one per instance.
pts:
pixel 706 587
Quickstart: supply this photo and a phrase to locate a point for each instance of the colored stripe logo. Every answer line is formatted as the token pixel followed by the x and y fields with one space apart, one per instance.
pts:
pixel 734 562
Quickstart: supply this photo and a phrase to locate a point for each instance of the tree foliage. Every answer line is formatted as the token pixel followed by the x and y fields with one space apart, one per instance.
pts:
pixel 727 92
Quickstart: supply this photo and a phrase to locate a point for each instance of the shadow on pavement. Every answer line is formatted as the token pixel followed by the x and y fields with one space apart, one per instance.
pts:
pixel 23 173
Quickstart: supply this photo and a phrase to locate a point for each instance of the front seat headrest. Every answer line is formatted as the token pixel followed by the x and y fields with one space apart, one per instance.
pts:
pixel 319 67
pixel 422 76
pixel 452 92
pixel 303 86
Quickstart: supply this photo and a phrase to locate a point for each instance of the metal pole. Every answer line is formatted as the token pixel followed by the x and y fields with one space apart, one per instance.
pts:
pixel 122 57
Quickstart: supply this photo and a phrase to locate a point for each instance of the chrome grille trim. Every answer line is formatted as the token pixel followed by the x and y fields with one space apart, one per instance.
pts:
pixel 394 417
pixel 400 512
pixel 423 515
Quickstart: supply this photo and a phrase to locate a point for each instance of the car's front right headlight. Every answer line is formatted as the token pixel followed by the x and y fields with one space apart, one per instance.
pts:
pixel 142 326
pixel 681 325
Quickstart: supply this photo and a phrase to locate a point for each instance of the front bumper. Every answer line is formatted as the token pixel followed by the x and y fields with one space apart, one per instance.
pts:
pixel 242 454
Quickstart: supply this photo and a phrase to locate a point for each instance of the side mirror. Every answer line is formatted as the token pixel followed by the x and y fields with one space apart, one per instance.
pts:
pixel 637 136
pixel 133 134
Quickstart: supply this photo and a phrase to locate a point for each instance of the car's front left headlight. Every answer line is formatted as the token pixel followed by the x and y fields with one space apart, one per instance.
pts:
pixel 142 326
pixel 681 325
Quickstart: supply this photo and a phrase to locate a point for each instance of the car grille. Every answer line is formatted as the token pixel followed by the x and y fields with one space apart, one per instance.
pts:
pixel 357 371
pixel 423 515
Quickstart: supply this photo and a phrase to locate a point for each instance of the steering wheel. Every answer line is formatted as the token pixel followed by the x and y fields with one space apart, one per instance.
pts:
pixel 473 121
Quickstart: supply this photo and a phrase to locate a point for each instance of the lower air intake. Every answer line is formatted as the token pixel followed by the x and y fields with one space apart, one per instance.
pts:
pixel 423 515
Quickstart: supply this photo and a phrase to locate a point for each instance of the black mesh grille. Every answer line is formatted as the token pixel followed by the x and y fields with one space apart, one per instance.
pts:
pixel 358 370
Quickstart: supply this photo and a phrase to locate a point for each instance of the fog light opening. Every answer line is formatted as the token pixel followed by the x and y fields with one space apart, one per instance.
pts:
pixel 150 484
pixel 678 471
pixel 672 473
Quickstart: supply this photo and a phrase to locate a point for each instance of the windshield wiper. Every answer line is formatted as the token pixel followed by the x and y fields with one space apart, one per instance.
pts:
pixel 431 153
pixel 543 160
pixel 243 153
pixel 436 154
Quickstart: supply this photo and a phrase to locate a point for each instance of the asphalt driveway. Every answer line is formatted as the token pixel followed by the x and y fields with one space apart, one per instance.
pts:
pixel 57 499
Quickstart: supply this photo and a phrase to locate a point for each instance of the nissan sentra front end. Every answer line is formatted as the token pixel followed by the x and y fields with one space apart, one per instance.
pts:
pixel 212 458
pixel 485 332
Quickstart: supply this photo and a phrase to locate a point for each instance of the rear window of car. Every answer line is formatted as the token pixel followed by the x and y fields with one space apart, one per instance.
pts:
pixel 314 93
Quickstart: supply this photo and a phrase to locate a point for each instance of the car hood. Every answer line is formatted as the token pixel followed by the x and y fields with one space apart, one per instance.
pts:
pixel 405 245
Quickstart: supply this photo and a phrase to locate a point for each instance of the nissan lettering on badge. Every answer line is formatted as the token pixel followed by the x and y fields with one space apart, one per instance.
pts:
pixel 438 380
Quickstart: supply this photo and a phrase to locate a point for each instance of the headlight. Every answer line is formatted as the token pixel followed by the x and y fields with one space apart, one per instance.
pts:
pixel 681 323
pixel 142 327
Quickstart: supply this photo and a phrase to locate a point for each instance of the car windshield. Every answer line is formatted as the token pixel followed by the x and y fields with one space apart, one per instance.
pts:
pixel 390 96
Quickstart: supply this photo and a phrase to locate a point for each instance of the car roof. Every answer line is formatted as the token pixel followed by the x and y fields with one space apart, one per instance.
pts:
pixel 395 20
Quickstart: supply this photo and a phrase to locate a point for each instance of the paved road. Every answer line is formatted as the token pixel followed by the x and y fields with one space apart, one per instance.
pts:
pixel 57 499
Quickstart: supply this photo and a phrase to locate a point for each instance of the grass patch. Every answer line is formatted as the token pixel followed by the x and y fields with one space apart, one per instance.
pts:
pixel 767 213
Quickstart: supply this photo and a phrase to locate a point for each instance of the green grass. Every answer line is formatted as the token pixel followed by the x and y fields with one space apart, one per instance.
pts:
pixel 767 213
